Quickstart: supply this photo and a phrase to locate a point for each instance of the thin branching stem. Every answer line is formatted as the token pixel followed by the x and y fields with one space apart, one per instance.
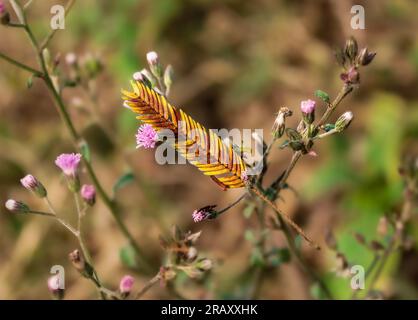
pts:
pixel 65 117
pixel 148 286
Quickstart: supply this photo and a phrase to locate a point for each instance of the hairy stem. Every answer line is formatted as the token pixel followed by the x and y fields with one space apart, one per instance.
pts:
pixel 148 286
pixel 65 117
pixel 285 217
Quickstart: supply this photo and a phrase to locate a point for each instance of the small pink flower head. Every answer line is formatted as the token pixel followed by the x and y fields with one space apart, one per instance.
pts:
pixel 152 58
pixel 88 193
pixel 204 213
pixel 55 287
pixel 307 106
pixel 33 184
pixel 68 163
pixel 138 76
pixel 146 137
pixel 16 206
pixel 126 284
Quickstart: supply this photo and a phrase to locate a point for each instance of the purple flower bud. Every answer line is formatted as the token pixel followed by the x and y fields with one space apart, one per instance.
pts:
pixel 55 287
pixel 126 284
pixel 152 58
pixel 33 185
pixel 16 206
pixel 307 106
pixel 146 137
pixel 88 193
pixel 204 213
pixel 138 76
pixel 68 163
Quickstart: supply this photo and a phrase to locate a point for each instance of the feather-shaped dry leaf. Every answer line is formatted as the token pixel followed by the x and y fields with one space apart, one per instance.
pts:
pixel 201 147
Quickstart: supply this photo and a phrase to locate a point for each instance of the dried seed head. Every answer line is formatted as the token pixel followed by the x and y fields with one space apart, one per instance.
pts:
pixel 279 124
pixel 77 260
pixel 192 253
pixel 365 57
pixel 351 48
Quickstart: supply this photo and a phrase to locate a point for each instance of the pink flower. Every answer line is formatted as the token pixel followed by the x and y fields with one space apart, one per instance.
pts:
pixel 33 184
pixel 204 213
pixel 307 106
pixel 68 163
pixel 88 193
pixel 146 137
pixel 126 284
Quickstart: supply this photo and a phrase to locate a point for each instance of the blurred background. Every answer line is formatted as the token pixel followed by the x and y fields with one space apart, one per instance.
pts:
pixel 235 62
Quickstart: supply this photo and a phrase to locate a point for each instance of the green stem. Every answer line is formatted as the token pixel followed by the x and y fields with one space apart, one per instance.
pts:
pixel 346 89
pixel 76 138
pixel 20 65
pixel 232 204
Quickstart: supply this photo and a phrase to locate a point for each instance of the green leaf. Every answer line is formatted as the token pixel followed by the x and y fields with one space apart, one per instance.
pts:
pixel 249 209
pixel 85 151
pixel 322 95
pixel 123 181
pixel 128 257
